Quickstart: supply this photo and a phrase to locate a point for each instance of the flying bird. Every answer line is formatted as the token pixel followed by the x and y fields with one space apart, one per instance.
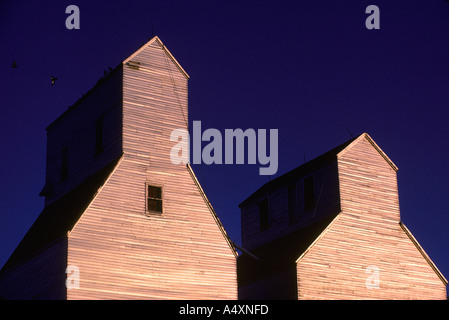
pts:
pixel 14 65
pixel 53 80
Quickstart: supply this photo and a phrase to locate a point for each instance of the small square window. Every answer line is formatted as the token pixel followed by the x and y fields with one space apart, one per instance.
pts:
pixel 154 199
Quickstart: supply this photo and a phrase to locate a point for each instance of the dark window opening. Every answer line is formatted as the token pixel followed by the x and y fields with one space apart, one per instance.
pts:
pixel 292 204
pixel 264 214
pixel 154 199
pixel 65 164
pixel 309 194
pixel 99 136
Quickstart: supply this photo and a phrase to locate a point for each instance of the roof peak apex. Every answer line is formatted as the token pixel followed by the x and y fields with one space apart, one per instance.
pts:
pixel 373 143
pixel 164 48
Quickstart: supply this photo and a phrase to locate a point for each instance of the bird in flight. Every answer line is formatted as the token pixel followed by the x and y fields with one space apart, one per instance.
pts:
pixel 53 80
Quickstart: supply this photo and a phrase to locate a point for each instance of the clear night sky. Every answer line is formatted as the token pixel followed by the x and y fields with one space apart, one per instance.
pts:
pixel 308 68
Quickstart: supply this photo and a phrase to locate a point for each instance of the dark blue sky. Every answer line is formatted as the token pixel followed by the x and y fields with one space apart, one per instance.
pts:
pixel 309 68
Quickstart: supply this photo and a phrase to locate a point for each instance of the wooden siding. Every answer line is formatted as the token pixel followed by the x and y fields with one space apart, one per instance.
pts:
pixel 125 253
pixel 75 129
pixel 327 203
pixel 366 233
pixel 154 104
pixel 40 277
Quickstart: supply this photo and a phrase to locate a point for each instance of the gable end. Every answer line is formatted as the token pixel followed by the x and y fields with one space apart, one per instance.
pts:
pixel 375 146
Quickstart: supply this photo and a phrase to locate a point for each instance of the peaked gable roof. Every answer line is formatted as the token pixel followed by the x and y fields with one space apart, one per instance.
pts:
pixel 280 254
pixel 156 39
pixel 314 164
pixel 375 146
pixel 59 217
pixel 117 68
pixel 321 229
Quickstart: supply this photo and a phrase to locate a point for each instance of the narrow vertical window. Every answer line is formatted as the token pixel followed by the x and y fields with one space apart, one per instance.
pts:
pixel 65 163
pixel 264 214
pixel 309 194
pixel 154 199
pixel 292 204
pixel 99 136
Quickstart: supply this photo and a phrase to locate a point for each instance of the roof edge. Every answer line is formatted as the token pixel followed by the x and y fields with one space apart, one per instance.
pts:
pixel 423 253
pixel 374 144
pixel 98 191
pixel 167 52
pixel 84 96
pixel 54 226
pixel 406 231
pixel 212 211
pixel 318 238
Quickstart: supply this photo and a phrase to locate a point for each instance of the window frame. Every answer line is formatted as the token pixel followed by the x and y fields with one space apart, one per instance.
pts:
pixel 147 210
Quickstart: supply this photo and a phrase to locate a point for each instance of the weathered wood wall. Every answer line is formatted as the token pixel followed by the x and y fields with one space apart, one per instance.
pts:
pixel 122 251
pixel 366 233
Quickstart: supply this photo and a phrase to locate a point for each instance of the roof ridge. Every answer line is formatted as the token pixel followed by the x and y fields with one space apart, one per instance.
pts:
pixel 51 224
